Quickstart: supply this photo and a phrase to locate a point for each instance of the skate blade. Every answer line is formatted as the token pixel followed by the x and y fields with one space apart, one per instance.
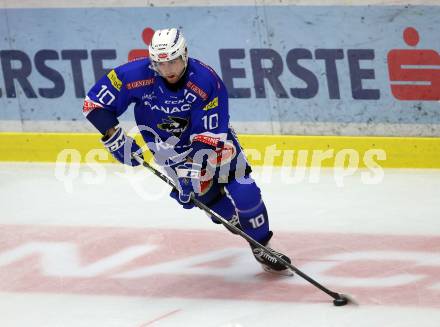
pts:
pixel 285 272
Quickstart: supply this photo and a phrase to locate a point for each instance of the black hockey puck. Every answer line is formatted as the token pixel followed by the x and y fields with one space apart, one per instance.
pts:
pixel 340 301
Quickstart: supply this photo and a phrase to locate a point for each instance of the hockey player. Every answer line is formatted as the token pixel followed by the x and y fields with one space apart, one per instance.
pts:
pixel 181 109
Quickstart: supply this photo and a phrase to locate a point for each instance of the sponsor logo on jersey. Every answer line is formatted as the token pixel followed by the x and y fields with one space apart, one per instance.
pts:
pixel 206 181
pixel 140 83
pixel 89 106
pixel 167 109
pixel 173 125
pixel 206 139
pixel 114 79
pixel 197 90
pixel 223 155
pixel 149 96
pixel 211 105
pixel 172 105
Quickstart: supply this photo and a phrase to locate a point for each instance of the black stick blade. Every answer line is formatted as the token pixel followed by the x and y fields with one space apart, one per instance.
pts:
pixel 344 299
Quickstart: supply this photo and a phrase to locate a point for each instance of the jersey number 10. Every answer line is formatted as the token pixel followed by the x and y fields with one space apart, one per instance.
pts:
pixel 104 92
pixel 257 221
pixel 210 122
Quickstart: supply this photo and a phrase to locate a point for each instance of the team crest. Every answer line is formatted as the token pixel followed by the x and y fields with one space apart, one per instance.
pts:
pixel 174 125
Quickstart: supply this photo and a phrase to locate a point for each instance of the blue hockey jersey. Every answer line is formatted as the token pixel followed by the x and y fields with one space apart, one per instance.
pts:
pixel 176 121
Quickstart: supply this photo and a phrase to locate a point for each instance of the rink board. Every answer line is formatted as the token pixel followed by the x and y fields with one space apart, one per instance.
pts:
pixel 313 70
pixel 268 150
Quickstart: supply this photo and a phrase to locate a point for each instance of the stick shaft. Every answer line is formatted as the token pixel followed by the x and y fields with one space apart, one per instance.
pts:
pixel 238 231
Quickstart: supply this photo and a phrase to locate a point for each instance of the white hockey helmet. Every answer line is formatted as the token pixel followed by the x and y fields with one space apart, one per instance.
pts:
pixel 168 44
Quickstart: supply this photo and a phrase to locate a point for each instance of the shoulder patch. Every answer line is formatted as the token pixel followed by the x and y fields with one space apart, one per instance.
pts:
pixel 211 105
pixel 197 90
pixel 114 79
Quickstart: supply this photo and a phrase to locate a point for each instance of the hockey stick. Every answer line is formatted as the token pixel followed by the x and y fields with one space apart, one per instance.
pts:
pixel 338 299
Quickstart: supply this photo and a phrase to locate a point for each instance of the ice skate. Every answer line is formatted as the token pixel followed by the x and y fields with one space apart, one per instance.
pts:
pixel 270 262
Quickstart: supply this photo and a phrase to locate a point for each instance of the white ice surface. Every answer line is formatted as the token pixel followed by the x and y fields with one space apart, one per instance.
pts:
pixel 405 202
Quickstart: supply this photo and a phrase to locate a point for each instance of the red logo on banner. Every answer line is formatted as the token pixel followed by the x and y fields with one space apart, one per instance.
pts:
pixel 414 73
pixel 147 35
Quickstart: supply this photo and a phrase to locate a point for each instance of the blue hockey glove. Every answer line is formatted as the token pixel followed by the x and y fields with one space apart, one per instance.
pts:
pixel 121 146
pixel 188 176
pixel 175 195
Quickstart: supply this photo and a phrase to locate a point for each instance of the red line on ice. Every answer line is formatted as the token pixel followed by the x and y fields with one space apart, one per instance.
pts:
pixel 160 318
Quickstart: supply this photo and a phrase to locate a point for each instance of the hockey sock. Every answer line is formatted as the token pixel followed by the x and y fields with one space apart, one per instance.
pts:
pixel 252 213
